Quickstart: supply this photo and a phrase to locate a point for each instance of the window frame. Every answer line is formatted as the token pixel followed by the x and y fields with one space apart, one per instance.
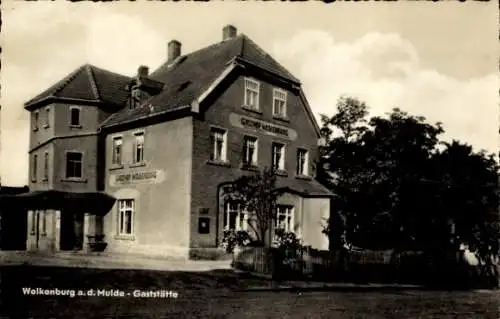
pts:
pixel 121 213
pixel 34 167
pixel 255 156
pixel 36 119
pixel 136 147
pixel 305 168
pixel 247 87
pixel 113 149
pixel 81 165
pixel 289 213
pixel 34 216
pixel 47 117
pixel 213 145
pixel 44 222
pixel 276 97
pixel 241 219
pixel 282 162
pixel 46 166
pixel 71 109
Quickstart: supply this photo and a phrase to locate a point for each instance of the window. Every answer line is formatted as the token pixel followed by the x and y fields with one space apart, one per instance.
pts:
pixel 74 165
pixel 250 151
pixel 46 166
pixel 279 102
pixel 139 147
pixel 47 117
pixel 126 211
pixel 36 116
pixel 44 222
pixel 135 96
pixel 302 162
pixel 75 116
pixel 34 215
pixel 34 168
pixel 284 218
pixel 117 151
pixel 252 94
pixel 278 156
pixel 218 142
pixel 234 217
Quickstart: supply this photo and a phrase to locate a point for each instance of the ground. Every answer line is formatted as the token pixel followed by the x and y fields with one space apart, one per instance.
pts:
pixel 222 294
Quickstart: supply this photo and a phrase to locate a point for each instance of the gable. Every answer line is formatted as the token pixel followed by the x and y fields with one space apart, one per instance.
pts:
pixel 230 87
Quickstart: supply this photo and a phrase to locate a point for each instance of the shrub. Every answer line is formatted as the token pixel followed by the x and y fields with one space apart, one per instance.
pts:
pixel 232 239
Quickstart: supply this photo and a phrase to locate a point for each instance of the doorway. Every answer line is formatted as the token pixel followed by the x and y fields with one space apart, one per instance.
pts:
pixel 71 231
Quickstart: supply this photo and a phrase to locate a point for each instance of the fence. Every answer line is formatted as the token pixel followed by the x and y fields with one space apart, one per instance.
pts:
pixel 288 263
pixel 410 267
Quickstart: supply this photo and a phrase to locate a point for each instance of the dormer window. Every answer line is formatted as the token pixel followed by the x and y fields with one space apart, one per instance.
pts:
pixel 74 116
pixel 252 89
pixel 279 103
pixel 135 96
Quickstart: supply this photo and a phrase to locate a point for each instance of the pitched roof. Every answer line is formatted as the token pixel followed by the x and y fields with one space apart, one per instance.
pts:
pixel 187 77
pixel 304 187
pixel 88 83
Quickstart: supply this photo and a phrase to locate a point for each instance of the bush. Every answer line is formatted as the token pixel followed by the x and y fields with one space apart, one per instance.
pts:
pixel 287 241
pixel 232 239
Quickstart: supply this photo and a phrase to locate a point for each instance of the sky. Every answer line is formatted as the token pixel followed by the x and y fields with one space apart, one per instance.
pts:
pixel 437 60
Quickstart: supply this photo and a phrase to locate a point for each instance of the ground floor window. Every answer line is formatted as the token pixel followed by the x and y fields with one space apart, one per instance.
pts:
pixel 126 211
pixel 44 222
pixel 284 219
pixel 234 217
pixel 33 221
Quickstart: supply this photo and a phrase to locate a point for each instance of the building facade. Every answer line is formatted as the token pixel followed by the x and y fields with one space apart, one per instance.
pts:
pixel 138 162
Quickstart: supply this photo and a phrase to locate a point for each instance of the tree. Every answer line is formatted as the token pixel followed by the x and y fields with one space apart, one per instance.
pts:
pixel 339 164
pixel 256 194
pixel 396 189
pixel 468 195
pixel 396 170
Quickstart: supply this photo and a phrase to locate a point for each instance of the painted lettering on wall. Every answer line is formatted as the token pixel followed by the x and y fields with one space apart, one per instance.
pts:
pixel 142 177
pixel 262 126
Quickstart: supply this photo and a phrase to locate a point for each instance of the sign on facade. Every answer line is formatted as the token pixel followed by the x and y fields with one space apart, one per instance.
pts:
pixel 142 177
pixel 262 126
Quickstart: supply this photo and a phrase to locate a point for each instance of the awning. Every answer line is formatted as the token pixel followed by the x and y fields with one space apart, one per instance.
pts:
pixel 92 202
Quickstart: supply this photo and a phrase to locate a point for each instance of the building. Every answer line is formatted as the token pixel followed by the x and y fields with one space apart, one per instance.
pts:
pixel 138 162
pixel 13 222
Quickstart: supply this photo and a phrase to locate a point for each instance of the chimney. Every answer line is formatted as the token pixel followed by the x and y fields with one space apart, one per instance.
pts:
pixel 228 32
pixel 174 50
pixel 143 71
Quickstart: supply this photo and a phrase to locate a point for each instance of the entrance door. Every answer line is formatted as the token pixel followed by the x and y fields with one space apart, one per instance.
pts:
pixel 71 231
pixel 34 230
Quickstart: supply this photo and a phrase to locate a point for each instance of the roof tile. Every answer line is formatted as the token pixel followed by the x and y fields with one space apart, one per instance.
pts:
pixel 88 83
pixel 199 69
